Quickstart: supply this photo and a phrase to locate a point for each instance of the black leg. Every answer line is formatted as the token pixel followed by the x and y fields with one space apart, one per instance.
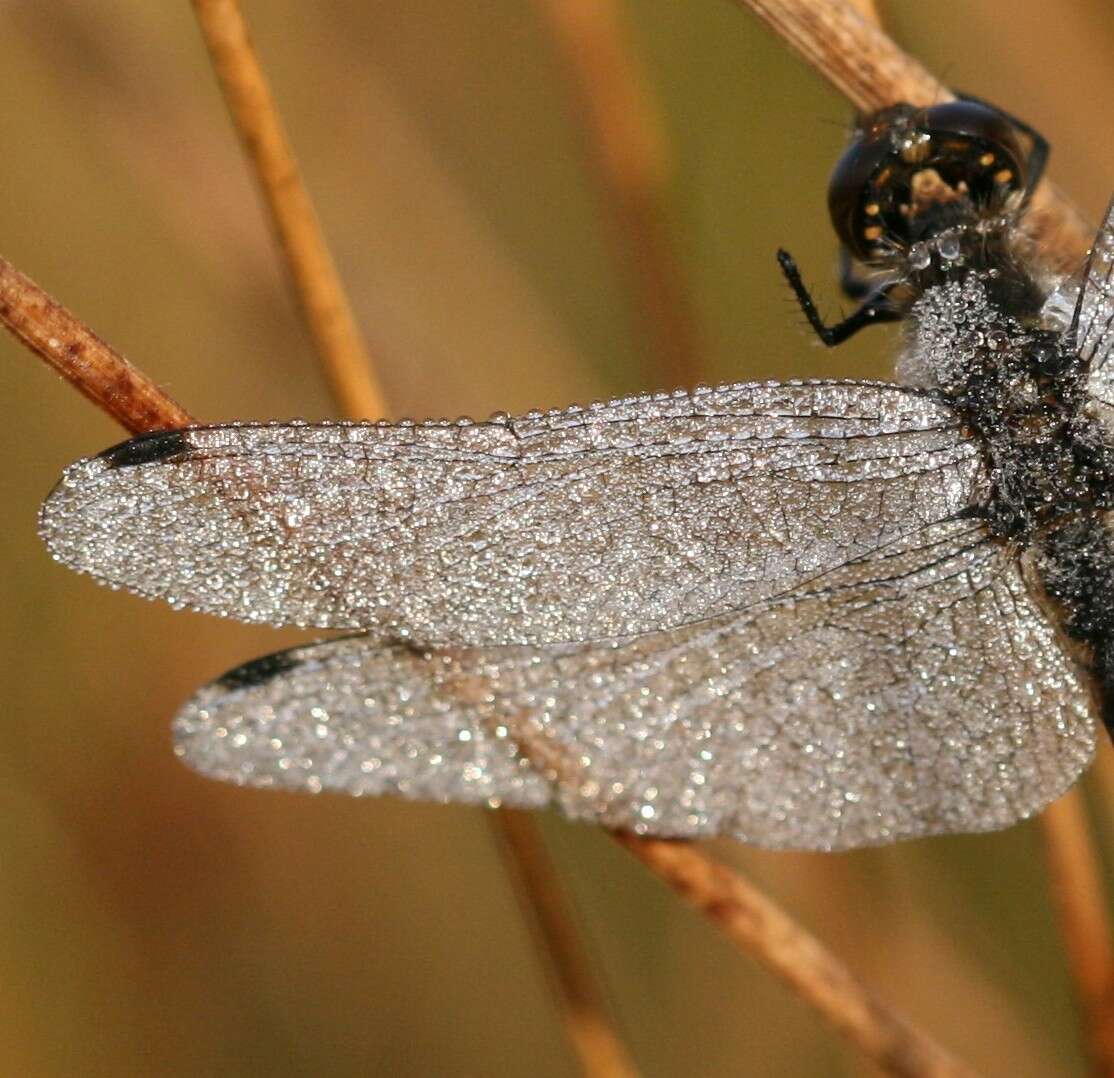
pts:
pixel 876 308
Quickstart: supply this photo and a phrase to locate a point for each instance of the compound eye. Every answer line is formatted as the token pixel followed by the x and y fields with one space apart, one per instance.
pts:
pixel 979 141
pixel 858 221
pixel 974 120
pixel 878 195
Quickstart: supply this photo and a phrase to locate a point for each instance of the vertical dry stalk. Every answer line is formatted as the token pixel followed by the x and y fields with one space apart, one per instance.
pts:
pixel 326 310
pixel 580 999
pixel 868 9
pixel 356 389
pixel 628 156
pixel 579 993
pixel 1075 884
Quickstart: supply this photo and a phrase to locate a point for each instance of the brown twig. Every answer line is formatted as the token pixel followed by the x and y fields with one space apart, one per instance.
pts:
pixel 762 929
pixel 865 65
pixel 317 284
pixel 868 9
pixel 601 1051
pixel 628 157
pixel 82 358
pixel 1079 901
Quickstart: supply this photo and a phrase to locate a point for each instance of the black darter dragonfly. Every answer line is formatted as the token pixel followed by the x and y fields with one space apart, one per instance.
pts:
pixel 810 615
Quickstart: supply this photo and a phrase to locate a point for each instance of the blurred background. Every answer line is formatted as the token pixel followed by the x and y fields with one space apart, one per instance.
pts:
pixel 153 923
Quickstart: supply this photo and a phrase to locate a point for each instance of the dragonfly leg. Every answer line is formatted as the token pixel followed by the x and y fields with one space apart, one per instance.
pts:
pixel 874 309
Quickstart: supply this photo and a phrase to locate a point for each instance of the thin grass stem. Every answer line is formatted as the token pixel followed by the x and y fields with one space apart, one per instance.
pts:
pixel 93 367
pixel 762 929
pixel 586 1008
pixel 325 307
pixel 1079 902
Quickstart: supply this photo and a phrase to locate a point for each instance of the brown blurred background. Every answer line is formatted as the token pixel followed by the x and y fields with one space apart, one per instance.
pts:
pixel 153 923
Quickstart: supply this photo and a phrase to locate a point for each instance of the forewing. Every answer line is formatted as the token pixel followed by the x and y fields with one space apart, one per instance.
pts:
pixel 612 520
pixel 912 691
pixel 1091 311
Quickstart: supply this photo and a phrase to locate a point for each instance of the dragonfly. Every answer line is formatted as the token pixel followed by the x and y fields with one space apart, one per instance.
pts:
pixel 808 615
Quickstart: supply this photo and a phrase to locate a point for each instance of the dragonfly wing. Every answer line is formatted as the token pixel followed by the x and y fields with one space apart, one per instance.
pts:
pixel 1091 313
pixel 914 690
pixel 347 716
pixel 597 522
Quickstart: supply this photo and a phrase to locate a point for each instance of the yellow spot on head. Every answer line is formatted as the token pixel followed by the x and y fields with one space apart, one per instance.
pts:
pixel 873 232
pixel 1003 175
pixel 986 160
pixel 872 209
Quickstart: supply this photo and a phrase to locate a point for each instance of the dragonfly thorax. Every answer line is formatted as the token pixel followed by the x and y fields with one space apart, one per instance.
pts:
pixel 1020 390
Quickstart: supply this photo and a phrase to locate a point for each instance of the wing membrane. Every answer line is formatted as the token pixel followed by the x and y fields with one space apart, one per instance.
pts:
pixel 1095 331
pixel 914 690
pixel 617 519
pixel 1091 311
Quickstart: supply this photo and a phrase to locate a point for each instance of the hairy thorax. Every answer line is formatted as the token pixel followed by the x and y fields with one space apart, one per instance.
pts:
pixel 1020 388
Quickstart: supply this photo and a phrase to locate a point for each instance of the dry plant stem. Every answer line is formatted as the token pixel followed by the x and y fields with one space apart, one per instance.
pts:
pixel 762 929
pixel 628 156
pixel 868 9
pixel 326 310
pixel 82 358
pixel 865 65
pixel 601 1051
pixel 1075 883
